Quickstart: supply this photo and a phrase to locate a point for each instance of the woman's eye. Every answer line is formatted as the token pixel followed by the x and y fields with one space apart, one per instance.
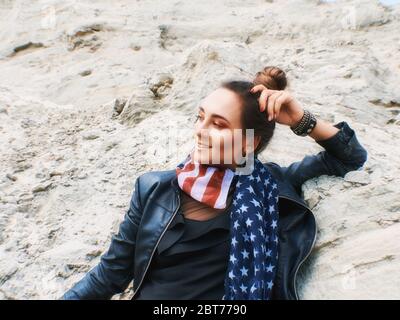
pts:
pixel 215 123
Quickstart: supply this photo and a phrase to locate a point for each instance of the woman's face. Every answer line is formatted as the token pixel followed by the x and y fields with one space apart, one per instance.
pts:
pixel 219 137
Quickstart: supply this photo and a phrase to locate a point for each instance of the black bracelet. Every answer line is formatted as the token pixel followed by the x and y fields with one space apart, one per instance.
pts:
pixel 306 125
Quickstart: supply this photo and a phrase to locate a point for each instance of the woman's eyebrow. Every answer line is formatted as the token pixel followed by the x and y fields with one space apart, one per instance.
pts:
pixel 215 115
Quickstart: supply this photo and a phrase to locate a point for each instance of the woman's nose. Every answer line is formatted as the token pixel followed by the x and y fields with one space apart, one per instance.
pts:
pixel 202 134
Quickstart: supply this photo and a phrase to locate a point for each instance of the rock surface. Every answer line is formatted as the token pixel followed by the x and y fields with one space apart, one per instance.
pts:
pixel 93 94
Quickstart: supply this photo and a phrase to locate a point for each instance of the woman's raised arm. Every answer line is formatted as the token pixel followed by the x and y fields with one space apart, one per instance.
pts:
pixel 343 152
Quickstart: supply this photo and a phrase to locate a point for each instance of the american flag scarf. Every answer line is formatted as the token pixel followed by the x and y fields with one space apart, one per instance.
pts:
pixel 254 222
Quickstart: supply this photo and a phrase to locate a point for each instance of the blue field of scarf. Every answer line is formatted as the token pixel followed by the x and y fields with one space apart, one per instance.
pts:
pixel 254 235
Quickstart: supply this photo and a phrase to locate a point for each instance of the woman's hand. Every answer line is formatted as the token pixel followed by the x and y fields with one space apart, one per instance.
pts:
pixel 280 105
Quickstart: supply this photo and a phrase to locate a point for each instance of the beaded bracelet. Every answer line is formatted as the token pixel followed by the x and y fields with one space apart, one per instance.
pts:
pixel 306 125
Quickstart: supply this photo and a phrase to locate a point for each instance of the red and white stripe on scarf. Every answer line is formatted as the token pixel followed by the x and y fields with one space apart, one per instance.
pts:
pixel 207 184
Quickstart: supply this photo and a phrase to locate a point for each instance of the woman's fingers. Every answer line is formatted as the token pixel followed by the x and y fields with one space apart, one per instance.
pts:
pixel 272 100
pixel 263 100
pixel 271 104
pixel 278 104
pixel 261 87
pixel 258 87
pixel 270 107
pixel 265 93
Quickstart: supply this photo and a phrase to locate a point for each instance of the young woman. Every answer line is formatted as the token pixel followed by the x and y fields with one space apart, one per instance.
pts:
pixel 209 229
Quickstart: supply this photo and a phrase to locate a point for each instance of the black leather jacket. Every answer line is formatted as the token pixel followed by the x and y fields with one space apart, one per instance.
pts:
pixel 155 201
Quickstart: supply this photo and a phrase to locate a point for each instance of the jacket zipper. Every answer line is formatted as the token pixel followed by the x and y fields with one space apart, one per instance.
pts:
pixel 155 247
pixel 309 251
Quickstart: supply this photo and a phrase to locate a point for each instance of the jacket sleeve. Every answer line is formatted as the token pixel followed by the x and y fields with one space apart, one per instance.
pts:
pixel 343 153
pixel 115 269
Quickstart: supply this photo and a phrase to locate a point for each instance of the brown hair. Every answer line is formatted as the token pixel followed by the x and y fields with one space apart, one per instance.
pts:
pixel 252 118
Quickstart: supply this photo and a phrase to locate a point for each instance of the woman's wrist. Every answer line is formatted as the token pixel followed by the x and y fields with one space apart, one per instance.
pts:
pixel 297 119
pixel 323 130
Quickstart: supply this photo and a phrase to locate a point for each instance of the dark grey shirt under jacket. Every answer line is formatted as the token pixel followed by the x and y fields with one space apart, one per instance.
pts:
pixel 191 260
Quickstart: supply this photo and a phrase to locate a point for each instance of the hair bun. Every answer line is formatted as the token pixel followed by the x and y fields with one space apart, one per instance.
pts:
pixel 272 78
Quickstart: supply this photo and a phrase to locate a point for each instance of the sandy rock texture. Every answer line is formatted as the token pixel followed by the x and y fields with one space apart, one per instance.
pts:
pixel 93 94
